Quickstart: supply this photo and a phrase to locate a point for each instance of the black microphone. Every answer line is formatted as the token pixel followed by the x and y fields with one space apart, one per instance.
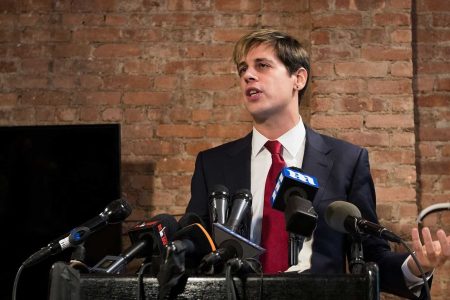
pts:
pixel 345 217
pixel 115 212
pixel 147 238
pixel 194 242
pixel 242 202
pixel 184 252
pixel 219 202
pixel 229 245
pixel 293 194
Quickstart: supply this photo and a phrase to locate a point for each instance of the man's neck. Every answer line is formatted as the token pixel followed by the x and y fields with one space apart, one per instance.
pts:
pixel 273 130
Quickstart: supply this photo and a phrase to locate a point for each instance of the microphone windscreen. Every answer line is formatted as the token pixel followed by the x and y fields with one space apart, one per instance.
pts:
pixel 337 212
pixel 117 211
pixel 189 219
pixel 169 222
pixel 160 229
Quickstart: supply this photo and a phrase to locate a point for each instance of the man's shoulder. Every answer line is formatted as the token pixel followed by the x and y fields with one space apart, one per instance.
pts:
pixel 332 143
pixel 231 147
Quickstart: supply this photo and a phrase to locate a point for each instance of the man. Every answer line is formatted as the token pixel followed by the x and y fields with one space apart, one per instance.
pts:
pixel 273 69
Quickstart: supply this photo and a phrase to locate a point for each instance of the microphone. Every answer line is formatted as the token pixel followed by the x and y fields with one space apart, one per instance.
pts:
pixel 230 245
pixel 115 212
pixel 219 201
pixel 293 194
pixel 194 241
pixel 146 238
pixel 242 201
pixel 345 217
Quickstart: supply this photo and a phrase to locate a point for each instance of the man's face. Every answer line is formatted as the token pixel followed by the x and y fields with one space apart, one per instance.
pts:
pixel 268 89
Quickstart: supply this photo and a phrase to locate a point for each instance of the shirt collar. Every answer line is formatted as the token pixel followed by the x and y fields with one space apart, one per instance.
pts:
pixel 291 140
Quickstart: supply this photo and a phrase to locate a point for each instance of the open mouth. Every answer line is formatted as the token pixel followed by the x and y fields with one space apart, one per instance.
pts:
pixel 252 92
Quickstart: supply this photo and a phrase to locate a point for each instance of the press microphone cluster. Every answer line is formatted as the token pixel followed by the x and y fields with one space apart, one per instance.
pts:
pixel 227 219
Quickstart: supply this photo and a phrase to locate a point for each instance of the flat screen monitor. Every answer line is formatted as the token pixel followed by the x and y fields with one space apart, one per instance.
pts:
pixel 53 179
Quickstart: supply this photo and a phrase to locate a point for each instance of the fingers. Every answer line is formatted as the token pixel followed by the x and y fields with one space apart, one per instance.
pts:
pixel 431 251
pixel 444 240
pixel 417 245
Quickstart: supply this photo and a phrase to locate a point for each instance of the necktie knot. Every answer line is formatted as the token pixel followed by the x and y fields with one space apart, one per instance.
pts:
pixel 274 147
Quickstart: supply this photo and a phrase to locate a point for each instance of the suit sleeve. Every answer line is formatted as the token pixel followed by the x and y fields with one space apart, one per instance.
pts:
pixel 362 194
pixel 198 203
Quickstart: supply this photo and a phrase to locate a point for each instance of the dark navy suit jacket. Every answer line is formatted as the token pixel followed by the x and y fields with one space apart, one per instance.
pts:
pixel 343 173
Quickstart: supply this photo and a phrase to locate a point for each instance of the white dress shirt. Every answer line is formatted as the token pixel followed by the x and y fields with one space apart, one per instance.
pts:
pixel 293 142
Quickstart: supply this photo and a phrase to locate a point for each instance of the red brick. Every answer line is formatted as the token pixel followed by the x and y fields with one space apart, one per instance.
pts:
pixel 173 130
pixel 213 83
pixel 390 86
pixel 435 167
pixel 8 99
pixel 238 5
pixel 117 50
pixel 344 121
pixel 101 34
pixel 227 131
pixel 401 36
pixel 362 69
pixel 390 121
pixel 434 134
pixel 127 82
pixel 402 69
pixel 348 86
pixel 366 139
pixel 337 20
pixel 388 19
pixel 98 98
pixel 379 53
pixel 147 98
pixel 320 37
pixel 390 194
pixel 66 114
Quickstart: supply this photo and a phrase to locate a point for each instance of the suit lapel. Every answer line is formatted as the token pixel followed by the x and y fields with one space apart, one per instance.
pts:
pixel 316 161
pixel 237 168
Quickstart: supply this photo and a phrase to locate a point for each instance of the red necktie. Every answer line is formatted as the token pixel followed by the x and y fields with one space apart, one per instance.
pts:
pixel 274 237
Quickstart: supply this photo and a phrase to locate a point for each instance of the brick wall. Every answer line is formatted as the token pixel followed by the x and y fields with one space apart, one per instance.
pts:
pixel 431 85
pixel 162 69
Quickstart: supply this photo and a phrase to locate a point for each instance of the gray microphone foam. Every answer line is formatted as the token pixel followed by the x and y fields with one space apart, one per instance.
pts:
pixel 337 212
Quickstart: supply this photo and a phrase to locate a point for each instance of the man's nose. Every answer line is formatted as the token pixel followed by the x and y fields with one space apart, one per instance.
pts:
pixel 249 75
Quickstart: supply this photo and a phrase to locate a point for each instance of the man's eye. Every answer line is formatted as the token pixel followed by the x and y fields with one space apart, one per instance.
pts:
pixel 242 70
pixel 263 65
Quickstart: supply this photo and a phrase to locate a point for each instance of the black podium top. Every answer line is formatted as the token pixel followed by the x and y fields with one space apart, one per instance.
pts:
pixel 283 286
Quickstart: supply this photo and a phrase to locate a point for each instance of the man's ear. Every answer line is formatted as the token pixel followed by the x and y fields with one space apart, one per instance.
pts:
pixel 301 77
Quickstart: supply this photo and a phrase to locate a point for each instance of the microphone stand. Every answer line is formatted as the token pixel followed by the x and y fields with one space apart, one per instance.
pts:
pixel 295 245
pixel 357 263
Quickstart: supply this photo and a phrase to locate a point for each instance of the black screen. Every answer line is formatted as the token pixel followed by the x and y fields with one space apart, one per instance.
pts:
pixel 52 179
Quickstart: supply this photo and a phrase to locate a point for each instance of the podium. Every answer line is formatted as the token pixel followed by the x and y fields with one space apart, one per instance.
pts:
pixel 284 286
pixel 68 284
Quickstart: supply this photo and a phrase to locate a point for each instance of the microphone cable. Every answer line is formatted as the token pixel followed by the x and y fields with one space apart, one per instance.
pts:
pixel 242 266
pixel 16 281
pixel 422 272
pixel 140 278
